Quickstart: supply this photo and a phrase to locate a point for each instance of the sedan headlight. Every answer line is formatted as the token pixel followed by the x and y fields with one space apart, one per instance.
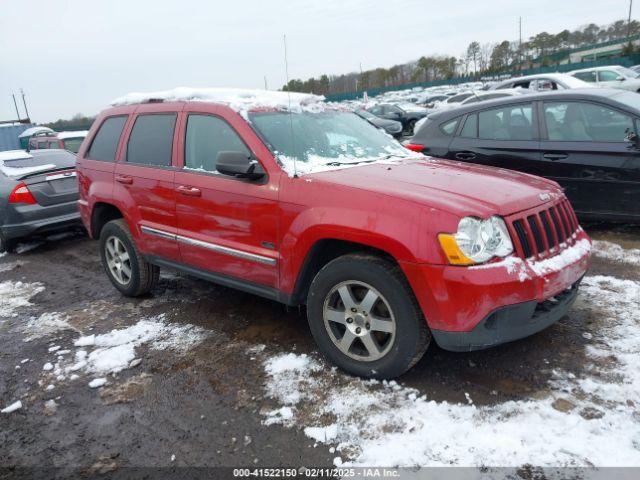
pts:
pixel 477 241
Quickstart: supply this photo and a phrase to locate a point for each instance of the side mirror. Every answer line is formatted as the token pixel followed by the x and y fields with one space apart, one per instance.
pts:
pixel 633 139
pixel 239 165
pixel 620 79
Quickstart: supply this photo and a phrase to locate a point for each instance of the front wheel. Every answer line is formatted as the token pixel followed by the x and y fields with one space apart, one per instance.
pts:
pixel 364 317
pixel 127 269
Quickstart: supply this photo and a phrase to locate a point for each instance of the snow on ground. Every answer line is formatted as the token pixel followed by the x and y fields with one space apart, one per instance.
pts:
pixel 12 408
pixel 386 424
pixel 613 251
pixel 14 295
pixel 46 324
pixel 114 351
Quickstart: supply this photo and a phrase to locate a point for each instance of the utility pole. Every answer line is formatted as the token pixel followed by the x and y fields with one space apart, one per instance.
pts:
pixel 265 83
pixel 629 21
pixel 24 102
pixel 520 44
pixel 15 105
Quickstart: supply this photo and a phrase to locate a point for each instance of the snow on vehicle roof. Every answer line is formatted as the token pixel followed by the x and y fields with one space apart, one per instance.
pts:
pixel 33 130
pixel 240 100
pixel 71 134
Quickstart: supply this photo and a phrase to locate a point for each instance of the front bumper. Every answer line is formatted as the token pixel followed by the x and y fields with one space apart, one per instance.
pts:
pixel 509 323
pixel 469 308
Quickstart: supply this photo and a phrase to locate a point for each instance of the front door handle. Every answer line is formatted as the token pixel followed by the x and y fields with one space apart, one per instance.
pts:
pixel 124 179
pixel 189 191
pixel 465 155
pixel 554 156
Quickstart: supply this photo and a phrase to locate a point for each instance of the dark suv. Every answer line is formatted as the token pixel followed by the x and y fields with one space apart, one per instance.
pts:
pixel 290 199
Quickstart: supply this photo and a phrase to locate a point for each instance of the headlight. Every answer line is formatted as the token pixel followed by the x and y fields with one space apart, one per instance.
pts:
pixel 477 241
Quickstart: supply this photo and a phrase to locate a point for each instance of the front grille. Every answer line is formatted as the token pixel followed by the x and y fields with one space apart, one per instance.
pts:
pixel 543 232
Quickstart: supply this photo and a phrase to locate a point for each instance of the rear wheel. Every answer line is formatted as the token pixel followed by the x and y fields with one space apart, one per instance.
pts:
pixel 6 245
pixel 127 269
pixel 364 317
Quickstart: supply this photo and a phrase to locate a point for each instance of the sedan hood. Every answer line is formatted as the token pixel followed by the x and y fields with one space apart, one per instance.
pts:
pixel 455 187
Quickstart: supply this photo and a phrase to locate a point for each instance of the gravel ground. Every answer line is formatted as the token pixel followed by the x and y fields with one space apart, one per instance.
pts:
pixel 189 376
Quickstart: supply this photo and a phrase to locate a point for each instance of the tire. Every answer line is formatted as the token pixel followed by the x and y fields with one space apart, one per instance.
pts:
pixel 6 244
pixel 140 276
pixel 410 127
pixel 399 344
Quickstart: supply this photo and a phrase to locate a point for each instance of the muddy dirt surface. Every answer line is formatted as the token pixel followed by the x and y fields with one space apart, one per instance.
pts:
pixel 203 405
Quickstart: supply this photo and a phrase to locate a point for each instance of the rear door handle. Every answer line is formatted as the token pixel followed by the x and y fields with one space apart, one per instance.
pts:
pixel 189 191
pixel 554 156
pixel 124 179
pixel 465 155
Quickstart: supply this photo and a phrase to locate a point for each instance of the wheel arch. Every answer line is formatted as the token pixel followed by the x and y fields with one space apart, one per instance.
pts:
pixel 322 252
pixel 101 214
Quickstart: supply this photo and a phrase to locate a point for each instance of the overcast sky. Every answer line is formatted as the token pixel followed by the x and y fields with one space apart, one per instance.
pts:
pixel 76 55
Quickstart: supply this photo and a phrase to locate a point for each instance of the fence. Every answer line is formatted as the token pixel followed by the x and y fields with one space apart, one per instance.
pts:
pixel 625 61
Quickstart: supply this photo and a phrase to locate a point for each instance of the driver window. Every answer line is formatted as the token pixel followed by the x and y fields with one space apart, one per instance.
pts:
pixel 608 76
pixel 206 136
pixel 585 122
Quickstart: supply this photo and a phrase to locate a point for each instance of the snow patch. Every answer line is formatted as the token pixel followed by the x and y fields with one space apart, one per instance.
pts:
pixel 116 350
pixel 566 257
pixel 46 324
pixel 613 251
pixel 97 382
pixel 12 408
pixel 15 295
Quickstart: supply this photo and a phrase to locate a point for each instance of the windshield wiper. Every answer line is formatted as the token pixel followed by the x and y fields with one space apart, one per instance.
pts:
pixel 337 164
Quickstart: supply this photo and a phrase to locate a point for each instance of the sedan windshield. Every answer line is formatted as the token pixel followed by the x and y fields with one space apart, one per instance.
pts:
pixel 307 142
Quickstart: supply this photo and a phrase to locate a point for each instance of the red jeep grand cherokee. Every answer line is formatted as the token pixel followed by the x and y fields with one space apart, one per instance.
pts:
pixel 286 197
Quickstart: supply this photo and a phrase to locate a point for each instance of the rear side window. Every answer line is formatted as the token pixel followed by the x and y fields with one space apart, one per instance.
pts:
pixel 586 76
pixel 105 143
pixel 206 137
pixel 508 123
pixel 151 140
pixel 448 128
pixel 470 129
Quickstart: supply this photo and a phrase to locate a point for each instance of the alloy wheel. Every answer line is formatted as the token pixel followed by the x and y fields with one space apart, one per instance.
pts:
pixel 118 260
pixel 359 321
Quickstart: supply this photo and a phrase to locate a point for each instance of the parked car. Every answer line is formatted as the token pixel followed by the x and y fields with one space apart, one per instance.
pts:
pixel 58 140
pixel 475 98
pixel 38 194
pixel 583 139
pixel 316 207
pixel 430 101
pixel 635 68
pixel 611 77
pixel 542 82
pixel 392 127
pixel 44 141
pixel 406 117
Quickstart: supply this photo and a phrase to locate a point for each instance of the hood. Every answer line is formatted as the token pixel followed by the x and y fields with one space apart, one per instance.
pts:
pixel 454 187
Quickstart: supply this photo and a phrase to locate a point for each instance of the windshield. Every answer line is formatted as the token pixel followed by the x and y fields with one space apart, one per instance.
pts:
pixel 318 141
pixel 367 115
pixel 626 72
